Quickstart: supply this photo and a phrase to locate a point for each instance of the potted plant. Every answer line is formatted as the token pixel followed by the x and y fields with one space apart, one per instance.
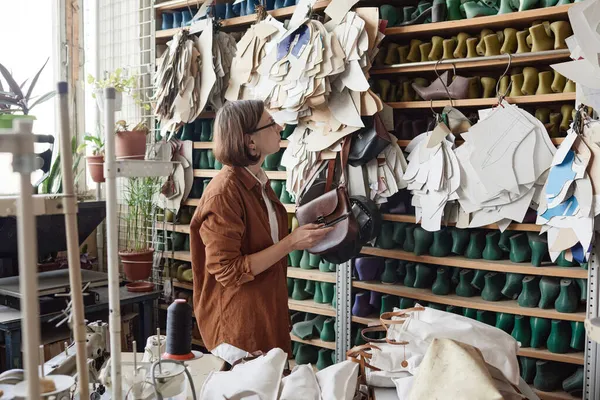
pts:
pixel 95 162
pixel 17 102
pixel 130 143
pixel 137 255
pixel 121 84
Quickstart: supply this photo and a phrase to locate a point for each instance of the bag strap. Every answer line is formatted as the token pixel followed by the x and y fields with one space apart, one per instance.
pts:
pixel 378 328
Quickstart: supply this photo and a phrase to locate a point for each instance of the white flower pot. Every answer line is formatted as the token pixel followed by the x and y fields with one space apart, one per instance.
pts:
pixel 100 99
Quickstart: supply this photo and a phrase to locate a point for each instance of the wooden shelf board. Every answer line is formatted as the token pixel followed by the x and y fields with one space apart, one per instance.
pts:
pixel 166 34
pixel 512 227
pixel 543 354
pixel 473 63
pixel 503 306
pixel 311 307
pixel 463 262
pixel 210 145
pixel 176 4
pixel 290 208
pixel 181 228
pixel 369 321
pixel 314 342
pixel 515 20
pixel 183 285
pixel 211 173
pixel 404 143
pixel 311 274
pixel 178 255
pixel 558 395
pixel 280 13
pixel 537 99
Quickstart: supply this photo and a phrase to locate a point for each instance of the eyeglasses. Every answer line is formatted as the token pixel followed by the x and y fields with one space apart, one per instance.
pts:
pixel 264 127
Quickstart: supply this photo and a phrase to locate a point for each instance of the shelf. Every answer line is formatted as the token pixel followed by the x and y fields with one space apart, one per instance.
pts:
pixel 369 321
pixel 546 57
pixel 311 274
pixel 211 173
pixel 404 143
pixel 503 306
pixel 313 342
pixel 176 4
pixel 463 262
pixel 280 13
pixel 543 354
pixel 514 20
pixel 166 34
pixel 178 255
pixel 512 227
pixel 537 99
pixel 183 285
pixel 210 145
pixel 181 228
pixel 559 395
pixel 310 306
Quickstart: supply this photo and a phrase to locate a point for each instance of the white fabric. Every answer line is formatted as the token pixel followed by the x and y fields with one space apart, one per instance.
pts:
pixel 498 348
pixel 301 384
pixel 385 394
pixel 338 382
pixel 261 376
pixel 229 353
pixel 273 225
pixel 389 360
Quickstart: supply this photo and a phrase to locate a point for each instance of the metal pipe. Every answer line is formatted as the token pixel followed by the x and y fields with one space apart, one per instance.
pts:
pixel 72 232
pixel 112 243
pixel 23 163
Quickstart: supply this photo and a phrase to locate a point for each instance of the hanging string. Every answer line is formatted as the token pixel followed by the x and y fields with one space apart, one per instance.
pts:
pixel 179 331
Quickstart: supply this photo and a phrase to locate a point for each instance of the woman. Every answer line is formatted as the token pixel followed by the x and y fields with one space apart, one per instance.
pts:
pixel 240 242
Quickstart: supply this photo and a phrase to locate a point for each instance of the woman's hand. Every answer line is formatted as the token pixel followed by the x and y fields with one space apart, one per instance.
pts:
pixel 307 236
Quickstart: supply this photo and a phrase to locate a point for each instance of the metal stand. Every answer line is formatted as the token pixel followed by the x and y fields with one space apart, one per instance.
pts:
pixel 343 311
pixel 592 353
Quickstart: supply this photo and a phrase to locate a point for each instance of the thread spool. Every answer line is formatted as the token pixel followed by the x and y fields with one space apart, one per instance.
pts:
pixel 179 331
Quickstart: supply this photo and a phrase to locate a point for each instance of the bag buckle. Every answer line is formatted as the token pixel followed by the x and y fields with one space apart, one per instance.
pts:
pixel 321 220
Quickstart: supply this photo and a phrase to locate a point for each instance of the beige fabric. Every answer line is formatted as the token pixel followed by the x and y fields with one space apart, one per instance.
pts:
pixel 457 371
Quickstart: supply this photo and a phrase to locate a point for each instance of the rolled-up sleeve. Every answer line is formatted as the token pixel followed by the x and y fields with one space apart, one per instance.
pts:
pixel 221 231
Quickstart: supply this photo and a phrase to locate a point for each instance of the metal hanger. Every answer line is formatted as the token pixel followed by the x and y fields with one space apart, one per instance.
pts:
pixel 435 69
pixel 502 96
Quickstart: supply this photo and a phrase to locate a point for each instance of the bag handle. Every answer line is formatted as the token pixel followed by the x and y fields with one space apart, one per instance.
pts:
pixel 251 356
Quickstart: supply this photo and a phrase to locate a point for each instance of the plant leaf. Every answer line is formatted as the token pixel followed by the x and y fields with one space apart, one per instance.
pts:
pixel 23 84
pixel 43 98
pixel 34 81
pixel 11 82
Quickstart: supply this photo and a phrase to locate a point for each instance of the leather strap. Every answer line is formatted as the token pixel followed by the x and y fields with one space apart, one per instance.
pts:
pixel 378 328
pixel 330 173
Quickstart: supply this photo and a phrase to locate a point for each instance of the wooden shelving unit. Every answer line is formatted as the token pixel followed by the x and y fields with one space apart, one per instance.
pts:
pixel 181 228
pixel 448 28
pixel 404 143
pixel 502 306
pixel 176 4
pixel 310 306
pixel 183 285
pixel 463 262
pixel 537 99
pixel 311 275
pixel 314 342
pixel 179 255
pixel 543 354
pixel 549 57
pixel 211 173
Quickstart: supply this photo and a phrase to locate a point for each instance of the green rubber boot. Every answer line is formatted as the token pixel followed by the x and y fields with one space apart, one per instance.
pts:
pixel 519 248
pixel 442 243
pixel 306 354
pixel 324 266
pixel 384 240
pixel 436 306
pixel 425 275
pixel 540 330
pixel 296 257
pixel 561 261
pixel 487 317
pixel 401 270
pixel 310 288
pixel 522 330
pixel 411 275
pixel 530 294
pixel 476 245
pixel 211 159
pixel 409 240
pixel 527 365
pixel 197 130
pixel 388 302
pixel 460 240
pixel 328 331
pixel 318 295
pixel 188 132
pixel 328 291
pixel 454 13
pixel 549 375
pixel 505 321
pixel 218 165
pixel 464 288
pixel 559 339
pixel 573 385
pixel 583 289
pixel 505 7
pixel 299 293
pixel 295 346
pixel 305 260
pixel 207 130
pixel 423 240
pixel 442 285
pixel 492 250
pixel 539 249
pixel 285 196
pixel 454 310
pixel 390 14
pixel 549 290
pixel 277 186
pixel 494 282
pixel 399 233
pixel 577 335
pixel 470 313
pixel 478 281
pixel 525 5
pixel 314 260
pixel 358 339
pixel 568 298
pixel 405 303
pixel 390 275
pixel 290 286
pixel 476 9
pixel 455 279
pixel 324 359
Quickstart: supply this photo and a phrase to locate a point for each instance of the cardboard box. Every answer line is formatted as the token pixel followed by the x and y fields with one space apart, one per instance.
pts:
pixel 129 327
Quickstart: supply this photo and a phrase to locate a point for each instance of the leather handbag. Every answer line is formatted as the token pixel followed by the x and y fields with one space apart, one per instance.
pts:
pixel 331 207
pixel 368 142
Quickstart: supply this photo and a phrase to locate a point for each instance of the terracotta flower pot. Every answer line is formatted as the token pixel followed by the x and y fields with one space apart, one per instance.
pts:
pixel 130 145
pixel 96 167
pixel 137 265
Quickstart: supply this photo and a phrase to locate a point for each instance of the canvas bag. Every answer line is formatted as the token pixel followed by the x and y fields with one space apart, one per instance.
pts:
pixel 420 326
